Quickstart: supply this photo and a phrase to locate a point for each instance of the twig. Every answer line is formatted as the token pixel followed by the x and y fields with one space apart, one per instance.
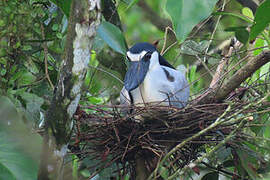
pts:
pixel 215 124
pixel 210 153
pixel 165 39
pixel 45 47
pixel 112 75
pixel 204 65
pixel 214 31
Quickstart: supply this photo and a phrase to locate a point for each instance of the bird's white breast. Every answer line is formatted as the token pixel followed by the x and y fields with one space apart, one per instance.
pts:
pixel 153 89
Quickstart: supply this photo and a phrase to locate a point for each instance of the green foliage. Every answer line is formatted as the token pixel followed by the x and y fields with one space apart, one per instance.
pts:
pixel 241 33
pixel 18 151
pixel 112 36
pixel 262 19
pixel 64 5
pixel 186 14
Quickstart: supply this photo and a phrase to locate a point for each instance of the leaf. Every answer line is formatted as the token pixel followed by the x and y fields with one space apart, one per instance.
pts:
pixel 247 163
pixel 258 44
pixel 33 104
pixel 64 5
pixel 132 3
pixel 186 14
pixel 247 12
pixel 193 48
pixel 261 21
pixel 241 33
pixel 19 147
pixel 211 176
pixel 113 36
pixel 164 172
pixel 233 15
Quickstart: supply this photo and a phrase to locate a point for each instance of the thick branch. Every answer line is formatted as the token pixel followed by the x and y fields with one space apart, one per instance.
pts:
pixel 219 94
pixel 242 74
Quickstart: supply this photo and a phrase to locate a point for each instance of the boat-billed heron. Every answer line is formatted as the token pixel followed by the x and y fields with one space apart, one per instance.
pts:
pixel 151 79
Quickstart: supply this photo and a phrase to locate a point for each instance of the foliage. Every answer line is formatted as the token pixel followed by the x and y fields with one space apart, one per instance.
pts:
pixel 32 38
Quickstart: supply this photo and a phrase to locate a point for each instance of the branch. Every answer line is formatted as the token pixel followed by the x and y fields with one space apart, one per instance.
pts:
pixel 242 74
pixel 219 94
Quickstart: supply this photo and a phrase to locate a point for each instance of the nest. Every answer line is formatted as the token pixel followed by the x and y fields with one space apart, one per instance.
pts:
pixel 150 132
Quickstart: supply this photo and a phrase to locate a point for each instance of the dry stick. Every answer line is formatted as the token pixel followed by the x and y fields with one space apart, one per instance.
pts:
pixel 45 47
pixel 165 39
pixel 204 65
pixel 219 71
pixel 211 152
pixel 219 121
pixel 189 139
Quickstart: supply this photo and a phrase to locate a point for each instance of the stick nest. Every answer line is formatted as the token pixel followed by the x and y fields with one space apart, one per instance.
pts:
pixel 150 132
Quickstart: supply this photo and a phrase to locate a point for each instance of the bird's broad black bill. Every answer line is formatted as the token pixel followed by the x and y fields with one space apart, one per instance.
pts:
pixel 136 74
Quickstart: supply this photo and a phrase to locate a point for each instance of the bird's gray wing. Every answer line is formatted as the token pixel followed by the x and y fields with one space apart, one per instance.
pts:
pixel 124 100
pixel 179 89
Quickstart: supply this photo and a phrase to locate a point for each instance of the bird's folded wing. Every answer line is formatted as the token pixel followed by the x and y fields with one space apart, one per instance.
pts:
pixel 124 97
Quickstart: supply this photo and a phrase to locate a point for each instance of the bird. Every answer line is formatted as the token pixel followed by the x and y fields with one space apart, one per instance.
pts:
pixel 150 78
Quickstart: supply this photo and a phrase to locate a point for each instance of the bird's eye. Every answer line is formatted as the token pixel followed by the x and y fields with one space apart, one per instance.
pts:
pixel 147 56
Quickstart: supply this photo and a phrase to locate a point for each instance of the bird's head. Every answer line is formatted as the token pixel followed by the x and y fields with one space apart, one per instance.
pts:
pixel 140 56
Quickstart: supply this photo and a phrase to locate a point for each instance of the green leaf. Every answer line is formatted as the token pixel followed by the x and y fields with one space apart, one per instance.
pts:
pixel 164 172
pixel 241 33
pixel 186 14
pixel 234 15
pixel 247 12
pixel 248 163
pixel 193 48
pixel 258 44
pixel 64 5
pixel 5 173
pixel 33 104
pixel 262 19
pixel 132 3
pixel 112 35
pixel 211 176
pixel 19 147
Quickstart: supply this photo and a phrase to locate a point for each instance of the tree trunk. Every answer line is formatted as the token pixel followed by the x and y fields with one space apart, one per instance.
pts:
pixel 83 22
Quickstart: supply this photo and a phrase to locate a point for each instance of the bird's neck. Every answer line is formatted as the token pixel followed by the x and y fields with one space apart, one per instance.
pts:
pixel 154 62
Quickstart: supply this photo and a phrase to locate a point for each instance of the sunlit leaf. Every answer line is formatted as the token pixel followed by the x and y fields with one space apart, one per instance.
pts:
pixel 186 14
pixel 247 12
pixel 262 19
pixel 258 44
pixel 112 36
